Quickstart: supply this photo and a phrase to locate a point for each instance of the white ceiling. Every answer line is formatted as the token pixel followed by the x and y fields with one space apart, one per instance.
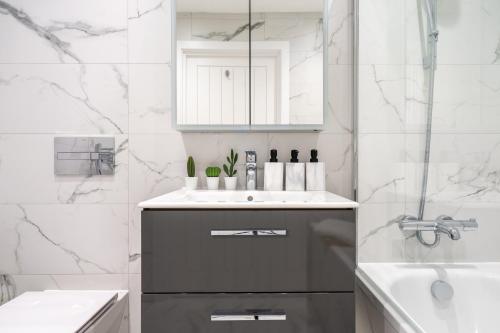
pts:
pixel 241 6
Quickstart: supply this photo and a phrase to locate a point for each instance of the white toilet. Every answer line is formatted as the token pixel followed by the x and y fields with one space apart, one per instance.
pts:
pixel 65 311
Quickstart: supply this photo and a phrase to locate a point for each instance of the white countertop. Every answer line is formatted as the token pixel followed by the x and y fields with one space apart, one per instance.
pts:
pixel 205 199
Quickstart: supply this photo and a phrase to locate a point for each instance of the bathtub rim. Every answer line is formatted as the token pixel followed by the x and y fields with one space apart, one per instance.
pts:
pixel 391 310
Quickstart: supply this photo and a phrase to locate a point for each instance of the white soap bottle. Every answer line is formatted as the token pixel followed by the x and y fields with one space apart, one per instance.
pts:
pixel 273 173
pixel 295 173
pixel 315 173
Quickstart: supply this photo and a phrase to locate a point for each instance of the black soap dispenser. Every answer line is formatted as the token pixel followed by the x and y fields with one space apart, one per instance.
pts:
pixel 295 173
pixel 315 173
pixel 273 173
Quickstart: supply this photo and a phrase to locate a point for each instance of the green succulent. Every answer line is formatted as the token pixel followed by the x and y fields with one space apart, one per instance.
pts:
pixel 191 170
pixel 229 168
pixel 212 171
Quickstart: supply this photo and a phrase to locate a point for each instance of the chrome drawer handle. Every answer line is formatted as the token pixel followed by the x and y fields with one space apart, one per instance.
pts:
pixel 249 232
pixel 248 315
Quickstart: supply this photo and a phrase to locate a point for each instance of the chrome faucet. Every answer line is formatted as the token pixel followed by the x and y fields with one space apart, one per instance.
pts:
pixel 443 224
pixel 251 170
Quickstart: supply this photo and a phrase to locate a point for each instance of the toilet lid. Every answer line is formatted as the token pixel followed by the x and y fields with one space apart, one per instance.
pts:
pixel 54 311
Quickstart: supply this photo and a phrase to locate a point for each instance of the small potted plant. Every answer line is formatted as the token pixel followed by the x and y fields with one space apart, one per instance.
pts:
pixel 231 180
pixel 213 177
pixel 191 181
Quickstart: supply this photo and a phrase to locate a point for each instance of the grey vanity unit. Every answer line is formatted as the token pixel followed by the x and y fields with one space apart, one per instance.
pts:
pixel 248 270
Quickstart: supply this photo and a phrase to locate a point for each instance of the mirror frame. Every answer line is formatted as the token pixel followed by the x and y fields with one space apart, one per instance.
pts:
pixel 247 127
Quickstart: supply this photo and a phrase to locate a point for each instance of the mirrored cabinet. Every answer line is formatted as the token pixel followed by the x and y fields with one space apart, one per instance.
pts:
pixel 249 65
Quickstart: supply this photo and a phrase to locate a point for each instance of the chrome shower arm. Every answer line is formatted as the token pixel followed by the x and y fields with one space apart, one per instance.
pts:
pixel 431 19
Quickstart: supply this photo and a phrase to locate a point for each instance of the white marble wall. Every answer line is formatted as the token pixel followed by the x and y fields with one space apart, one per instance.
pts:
pixel 103 67
pixel 465 152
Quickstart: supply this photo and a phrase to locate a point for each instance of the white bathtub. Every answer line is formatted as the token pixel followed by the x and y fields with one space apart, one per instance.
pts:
pixel 405 292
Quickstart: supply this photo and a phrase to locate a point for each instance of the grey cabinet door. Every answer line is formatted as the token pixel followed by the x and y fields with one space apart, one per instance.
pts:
pixel 248 251
pixel 248 313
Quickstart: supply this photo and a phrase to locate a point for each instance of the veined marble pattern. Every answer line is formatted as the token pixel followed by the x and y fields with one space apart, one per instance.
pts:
pixel 490 12
pixel 150 106
pixel 64 98
pixel 339 115
pixel 382 103
pixel 63 233
pixel 53 32
pixel 381 168
pixel 149 31
pixel 467 98
pixel 39 185
pixel 465 155
pixel 380 240
pixel 463 167
pixel 340 32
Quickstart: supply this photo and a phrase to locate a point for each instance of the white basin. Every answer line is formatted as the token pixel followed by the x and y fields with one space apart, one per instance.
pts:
pixel 205 199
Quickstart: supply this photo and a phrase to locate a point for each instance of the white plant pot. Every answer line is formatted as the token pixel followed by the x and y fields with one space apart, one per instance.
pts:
pixel 231 183
pixel 191 183
pixel 213 183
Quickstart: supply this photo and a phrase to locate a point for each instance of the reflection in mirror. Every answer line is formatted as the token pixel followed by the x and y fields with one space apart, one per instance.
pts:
pixel 223 80
pixel 212 62
pixel 294 29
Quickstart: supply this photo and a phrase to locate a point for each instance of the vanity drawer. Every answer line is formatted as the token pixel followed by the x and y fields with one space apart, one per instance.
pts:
pixel 248 251
pixel 248 313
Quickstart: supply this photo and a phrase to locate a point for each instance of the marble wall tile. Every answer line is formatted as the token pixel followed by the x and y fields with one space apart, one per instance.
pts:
pixel 381 168
pixel 459 25
pixel 63 239
pixel 490 97
pixel 29 183
pixel 149 31
pixel 150 99
pixel 457 99
pixel 480 245
pixel 340 32
pixel 463 167
pixel 379 237
pixel 157 165
pixel 381 240
pixel 464 161
pixel 57 31
pixel 64 99
pixel 381 43
pixel 490 41
pixel 468 30
pixel 339 114
pixel 381 102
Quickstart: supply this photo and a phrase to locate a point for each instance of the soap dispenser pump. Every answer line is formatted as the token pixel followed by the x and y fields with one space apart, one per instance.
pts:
pixel 315 173
pixel 295 173
pixel 273 173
